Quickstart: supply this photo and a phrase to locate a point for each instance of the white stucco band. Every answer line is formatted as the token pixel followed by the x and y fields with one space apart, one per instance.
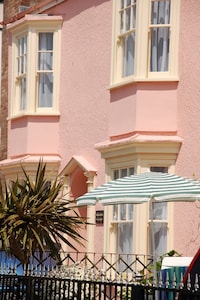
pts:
pixel 12 167
pixel 140 143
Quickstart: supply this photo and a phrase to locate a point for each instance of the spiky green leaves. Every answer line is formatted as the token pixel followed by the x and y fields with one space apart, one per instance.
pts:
pixel 33 216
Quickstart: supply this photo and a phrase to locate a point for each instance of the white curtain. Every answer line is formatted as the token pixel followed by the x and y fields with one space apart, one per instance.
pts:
pixel 22 70
pixel 160 238
pixel 127 27
pixel 45 70
pixel 23 94
pixel 159 228
pixel 125 243
pixel 128 54
pixel 125 238
pixel 160 14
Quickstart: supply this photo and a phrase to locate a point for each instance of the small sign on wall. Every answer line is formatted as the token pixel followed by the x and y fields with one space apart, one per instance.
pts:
pixel 99 217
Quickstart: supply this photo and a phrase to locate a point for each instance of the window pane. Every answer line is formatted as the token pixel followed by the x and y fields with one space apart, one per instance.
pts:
pixel 159 169
pixel 45 61
pixel 125 238
pixel 128 54
pixel 115 212
pixel 125 244
pixel 23 94
pixel 45 55
pixel 128 18
pixel 123 173
pixel 130 209
pixel 160 234
pixel 134 16
pixel 121 21
pixel 131 171
pixel 21 71
pixel 159 211
pixel 158 229
pixel 126 37
pixel 160 12
pixel 45 41
pixel 159 49
pixel 45 89
pixel 122 211
pixel 160 36
pixel 116 174
pixel 45 69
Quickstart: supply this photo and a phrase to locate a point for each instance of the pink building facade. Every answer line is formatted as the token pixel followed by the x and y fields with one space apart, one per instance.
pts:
pixel 102 89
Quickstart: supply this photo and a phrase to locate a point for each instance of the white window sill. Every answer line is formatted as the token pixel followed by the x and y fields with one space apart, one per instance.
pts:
pixel 135 80
pixel 33 114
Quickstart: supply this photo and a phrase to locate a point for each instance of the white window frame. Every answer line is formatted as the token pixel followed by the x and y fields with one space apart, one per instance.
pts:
pixel 142 45
pixel 163 219
pixel 31 26
pixel 125 157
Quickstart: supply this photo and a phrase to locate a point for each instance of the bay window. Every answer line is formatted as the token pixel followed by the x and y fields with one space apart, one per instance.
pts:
pixel 35 65
pixel 145 40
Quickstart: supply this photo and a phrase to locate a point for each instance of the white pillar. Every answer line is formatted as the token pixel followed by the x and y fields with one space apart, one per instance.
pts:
pixel 90 214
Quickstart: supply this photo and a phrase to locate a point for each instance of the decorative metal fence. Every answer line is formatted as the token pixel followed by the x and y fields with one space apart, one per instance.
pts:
pixel 89 276
pixel 109 264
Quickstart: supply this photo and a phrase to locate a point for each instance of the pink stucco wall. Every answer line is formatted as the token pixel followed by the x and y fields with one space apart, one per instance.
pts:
pixel 91 113
pixel 85 73
pixel 33 135
pixel 84 98
pixel 143 107
pixel 186 224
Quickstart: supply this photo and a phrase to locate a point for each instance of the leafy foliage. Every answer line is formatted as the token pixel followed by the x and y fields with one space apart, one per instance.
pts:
pixel 33 216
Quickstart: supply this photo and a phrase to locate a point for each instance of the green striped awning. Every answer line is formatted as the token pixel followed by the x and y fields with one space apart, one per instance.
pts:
pixel 155 186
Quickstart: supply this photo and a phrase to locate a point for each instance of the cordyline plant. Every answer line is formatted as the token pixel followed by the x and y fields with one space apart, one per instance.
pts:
pixel 34 217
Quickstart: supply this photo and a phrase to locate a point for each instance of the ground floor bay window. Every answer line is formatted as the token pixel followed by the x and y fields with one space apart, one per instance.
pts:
pixel 145 228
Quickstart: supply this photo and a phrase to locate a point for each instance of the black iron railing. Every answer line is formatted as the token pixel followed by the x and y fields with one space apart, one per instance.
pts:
pixel 15 287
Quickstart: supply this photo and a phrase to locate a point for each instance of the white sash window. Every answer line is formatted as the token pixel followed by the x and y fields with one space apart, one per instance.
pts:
pixel 160 36
pixel 45 69
pixel 145 40
pixel 21 82
pixel 159 216
pixel 123 220
pixel 36 68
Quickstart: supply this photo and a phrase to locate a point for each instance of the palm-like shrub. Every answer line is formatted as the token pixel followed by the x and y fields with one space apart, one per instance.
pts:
pixel 34 217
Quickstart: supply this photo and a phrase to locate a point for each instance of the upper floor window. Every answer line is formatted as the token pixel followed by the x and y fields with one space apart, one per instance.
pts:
pixel 35 65
pixel 145 44
pixel 45 70
pixel 21 78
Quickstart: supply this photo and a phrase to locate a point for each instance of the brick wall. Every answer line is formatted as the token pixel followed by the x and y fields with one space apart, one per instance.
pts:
pixel 11 7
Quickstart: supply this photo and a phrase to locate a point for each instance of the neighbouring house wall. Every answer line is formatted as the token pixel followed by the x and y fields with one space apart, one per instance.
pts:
pixel 186 221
